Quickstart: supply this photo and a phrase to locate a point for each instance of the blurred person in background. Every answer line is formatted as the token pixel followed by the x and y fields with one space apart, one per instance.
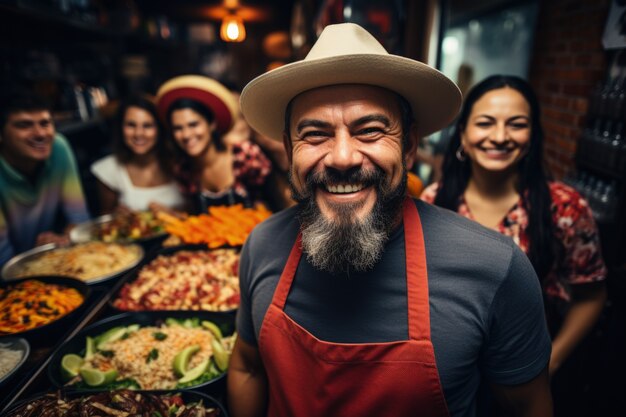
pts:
pixel 493 173
pixel 40 189
pixel 138 172
pixel 199 111
pixel 277 185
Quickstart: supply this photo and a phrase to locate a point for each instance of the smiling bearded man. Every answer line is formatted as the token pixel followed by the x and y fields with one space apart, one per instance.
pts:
pixel 360 301
pixel 344 241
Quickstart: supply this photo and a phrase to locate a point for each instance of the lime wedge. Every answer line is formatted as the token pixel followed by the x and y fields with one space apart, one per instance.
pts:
pixel 213 328
pixel 196 372
pixel 96 378
pixel 181 360
pixel 70 365
pixel 220 355
pixel 111 335
pixel 90 347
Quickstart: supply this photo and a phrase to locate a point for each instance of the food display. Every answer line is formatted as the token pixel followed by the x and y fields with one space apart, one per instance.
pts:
pixel 89 261
pixel 123 226
pixel 32 303
pixel 184 280
pixel 118 403
pixel 176 353
pixel 223 225
pixel 130 225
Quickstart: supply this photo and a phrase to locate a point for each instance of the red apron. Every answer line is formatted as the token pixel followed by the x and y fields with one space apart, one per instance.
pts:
pixel 311 377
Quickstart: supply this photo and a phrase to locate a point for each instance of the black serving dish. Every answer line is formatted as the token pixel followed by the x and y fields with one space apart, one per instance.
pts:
pixel 186 395
pixel 54 327
pixel 132 275
pixel 18 344
pixel 76 344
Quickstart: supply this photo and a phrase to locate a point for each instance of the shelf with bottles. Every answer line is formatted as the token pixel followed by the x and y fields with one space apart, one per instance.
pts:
pixel 74 15
pixel 602 145
pixel 601 192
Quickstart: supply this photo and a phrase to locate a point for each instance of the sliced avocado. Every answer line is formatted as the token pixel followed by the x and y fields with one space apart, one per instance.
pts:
pixel 90 347
pixel 213 328
pixel 111 335
pixel 196 372
pixel 220 355
pixel 132 328
pixel 181 360
pixel 172 322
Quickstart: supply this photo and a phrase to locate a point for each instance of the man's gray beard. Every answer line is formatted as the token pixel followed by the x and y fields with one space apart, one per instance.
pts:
pixel 346 243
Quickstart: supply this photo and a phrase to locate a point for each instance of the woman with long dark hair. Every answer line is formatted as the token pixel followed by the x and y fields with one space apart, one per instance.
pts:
pixel 493 173
pixel 137 173
pixel 199 111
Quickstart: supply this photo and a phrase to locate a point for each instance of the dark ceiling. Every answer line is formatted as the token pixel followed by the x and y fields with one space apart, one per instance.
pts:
pixel 275 15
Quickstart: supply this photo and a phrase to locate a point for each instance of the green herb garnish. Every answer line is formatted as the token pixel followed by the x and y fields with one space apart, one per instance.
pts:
pixel 154 353
pixel 159 335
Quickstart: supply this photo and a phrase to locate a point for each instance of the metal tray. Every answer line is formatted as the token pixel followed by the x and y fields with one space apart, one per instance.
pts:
pixel 14 343
pixel 13 265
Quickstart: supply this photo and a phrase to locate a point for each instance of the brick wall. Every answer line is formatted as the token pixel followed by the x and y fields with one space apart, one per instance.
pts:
pixel 568 61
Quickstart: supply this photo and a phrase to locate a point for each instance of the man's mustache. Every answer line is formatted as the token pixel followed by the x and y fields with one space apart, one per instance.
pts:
pixel 331 176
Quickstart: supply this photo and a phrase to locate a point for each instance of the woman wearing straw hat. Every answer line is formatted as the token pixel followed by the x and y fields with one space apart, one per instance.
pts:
pixel 361 301
pixel 198 111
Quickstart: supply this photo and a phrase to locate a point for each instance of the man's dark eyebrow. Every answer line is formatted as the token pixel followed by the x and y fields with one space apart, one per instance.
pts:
pixel 311 123
pixel 371 118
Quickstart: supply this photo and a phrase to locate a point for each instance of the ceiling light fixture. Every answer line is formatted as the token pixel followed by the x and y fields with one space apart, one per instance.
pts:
pixel 232 29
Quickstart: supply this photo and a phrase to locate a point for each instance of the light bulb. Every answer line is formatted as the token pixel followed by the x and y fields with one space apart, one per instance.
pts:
pixel 232 29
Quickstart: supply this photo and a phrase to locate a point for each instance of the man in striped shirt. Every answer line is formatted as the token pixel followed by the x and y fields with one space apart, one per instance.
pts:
pixel 39 182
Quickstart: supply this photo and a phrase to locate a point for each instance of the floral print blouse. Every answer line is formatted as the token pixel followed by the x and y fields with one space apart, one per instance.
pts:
pixel 250 168
pixel 575 228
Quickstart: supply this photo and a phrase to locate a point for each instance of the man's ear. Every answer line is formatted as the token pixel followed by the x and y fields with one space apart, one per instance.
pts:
pixel 288 146
pixel 410 150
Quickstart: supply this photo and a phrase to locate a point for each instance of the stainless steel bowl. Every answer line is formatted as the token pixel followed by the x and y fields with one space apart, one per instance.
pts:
pixel 87 231
pixel 14 343
pixel 12 268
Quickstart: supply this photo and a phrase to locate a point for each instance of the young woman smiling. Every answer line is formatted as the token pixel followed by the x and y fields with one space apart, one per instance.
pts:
pixel 199 110
pixel 137 173
pixel 493 173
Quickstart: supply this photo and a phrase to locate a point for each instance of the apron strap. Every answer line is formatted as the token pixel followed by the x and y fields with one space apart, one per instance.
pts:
pixel 289 272
pixel 416 274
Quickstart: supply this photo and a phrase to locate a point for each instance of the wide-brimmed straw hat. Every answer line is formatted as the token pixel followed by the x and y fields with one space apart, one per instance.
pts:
pixel 348 54
pixel 208 92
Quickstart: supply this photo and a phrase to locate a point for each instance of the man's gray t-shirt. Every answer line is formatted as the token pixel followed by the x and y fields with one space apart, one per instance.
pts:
pixel 486 311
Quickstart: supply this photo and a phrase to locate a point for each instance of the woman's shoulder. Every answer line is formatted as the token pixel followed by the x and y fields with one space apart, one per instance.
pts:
pixel 562 193
pixel 108 162
pixel 107 169
pixel 567 201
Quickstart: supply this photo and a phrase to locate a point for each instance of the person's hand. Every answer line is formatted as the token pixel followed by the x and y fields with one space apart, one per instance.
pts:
pixel 51 237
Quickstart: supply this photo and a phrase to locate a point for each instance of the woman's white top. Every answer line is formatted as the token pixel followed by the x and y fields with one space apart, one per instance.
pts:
pixel 115 176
